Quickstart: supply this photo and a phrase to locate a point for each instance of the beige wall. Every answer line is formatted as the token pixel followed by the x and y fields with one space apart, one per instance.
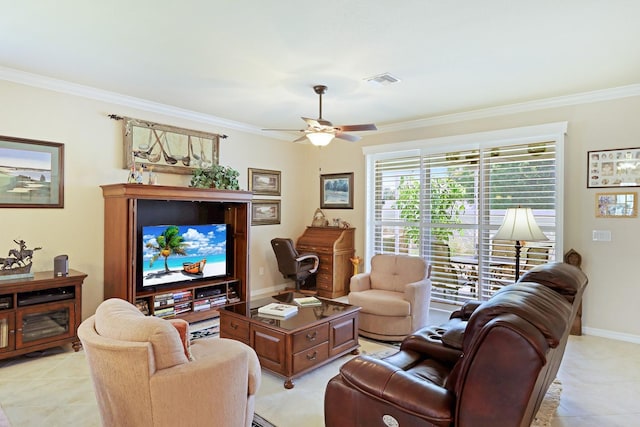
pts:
pixel 93 156
pixel 93 145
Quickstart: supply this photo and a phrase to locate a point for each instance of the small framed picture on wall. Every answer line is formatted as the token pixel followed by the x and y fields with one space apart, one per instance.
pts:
pixel 336 191
pixel 617 205
pixel 613 168
pixel 265 212
pixel 264 182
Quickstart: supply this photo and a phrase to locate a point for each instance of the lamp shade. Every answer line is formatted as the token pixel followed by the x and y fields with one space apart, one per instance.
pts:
pixel 519 224
pixel 320 139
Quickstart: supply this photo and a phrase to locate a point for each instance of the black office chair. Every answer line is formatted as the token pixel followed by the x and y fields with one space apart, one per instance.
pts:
pixel 293 265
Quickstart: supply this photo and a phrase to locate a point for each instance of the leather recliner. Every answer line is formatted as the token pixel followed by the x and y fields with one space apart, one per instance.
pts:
pixel 489 365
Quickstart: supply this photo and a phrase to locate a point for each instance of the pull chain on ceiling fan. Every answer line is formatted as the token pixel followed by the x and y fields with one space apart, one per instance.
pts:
pixel 320 132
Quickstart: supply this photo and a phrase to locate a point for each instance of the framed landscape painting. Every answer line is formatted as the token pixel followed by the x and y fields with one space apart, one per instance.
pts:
pixel 336 191
pixel 265 212
pixel 31 173
pixel 264 182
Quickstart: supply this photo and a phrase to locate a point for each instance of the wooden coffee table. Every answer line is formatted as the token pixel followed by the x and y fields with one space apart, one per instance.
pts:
pixel 296 345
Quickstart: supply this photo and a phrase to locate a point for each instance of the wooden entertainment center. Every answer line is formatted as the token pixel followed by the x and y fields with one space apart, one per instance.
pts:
pixel 129 207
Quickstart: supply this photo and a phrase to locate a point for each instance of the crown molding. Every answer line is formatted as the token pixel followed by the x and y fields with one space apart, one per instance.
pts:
pixel 541 104
pixel 62 86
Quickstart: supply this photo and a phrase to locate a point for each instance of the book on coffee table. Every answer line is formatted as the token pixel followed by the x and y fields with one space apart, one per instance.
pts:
pixel 278 309
pixel 307 301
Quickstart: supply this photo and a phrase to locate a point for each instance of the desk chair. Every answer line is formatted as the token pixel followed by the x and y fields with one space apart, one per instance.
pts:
pixel 293 265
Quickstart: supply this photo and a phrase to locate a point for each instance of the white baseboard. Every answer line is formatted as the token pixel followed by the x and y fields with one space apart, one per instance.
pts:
pixel 266 292
pixel 611 335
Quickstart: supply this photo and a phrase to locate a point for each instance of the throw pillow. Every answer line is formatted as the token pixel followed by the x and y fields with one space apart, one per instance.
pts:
pixel 182 326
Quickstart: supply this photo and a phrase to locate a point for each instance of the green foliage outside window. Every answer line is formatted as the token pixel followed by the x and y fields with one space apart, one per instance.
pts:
pixel 447 196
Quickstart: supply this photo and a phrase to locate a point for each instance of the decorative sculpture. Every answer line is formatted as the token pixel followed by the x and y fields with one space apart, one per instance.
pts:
pixel 319 220
pixel 355 261
pixel 18 261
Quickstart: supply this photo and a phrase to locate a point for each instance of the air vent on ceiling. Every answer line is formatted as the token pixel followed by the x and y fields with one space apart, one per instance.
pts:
pixel 383 79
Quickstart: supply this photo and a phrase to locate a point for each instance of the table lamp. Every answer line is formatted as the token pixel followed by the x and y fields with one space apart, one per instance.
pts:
pixel 519 225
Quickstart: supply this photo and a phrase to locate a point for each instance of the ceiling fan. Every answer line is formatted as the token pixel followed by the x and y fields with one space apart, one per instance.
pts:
pixel 321 132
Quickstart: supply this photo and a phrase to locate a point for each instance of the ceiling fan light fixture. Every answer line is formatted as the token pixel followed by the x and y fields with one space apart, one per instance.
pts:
pixel 320 139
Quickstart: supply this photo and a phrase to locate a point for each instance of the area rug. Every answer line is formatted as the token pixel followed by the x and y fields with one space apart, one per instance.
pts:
pixel 258 421
pixel 549 405
pixel 211 332
pixel 205 329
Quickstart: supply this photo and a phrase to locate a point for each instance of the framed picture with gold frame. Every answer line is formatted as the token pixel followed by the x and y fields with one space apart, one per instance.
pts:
pixel 617 205
pixel 264 182
pixel 265 212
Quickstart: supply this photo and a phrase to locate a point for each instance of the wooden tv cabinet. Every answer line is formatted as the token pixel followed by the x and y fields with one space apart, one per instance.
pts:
pixel 40 312
pixel 129 207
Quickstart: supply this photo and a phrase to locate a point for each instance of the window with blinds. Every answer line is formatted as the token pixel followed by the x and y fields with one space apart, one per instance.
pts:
pixel 446 205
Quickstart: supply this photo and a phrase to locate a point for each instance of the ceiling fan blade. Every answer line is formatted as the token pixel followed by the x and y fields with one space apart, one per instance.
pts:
pixel 286 130
pixel 356 128
pixel 348 137
pixel 317 122
pixel 302 140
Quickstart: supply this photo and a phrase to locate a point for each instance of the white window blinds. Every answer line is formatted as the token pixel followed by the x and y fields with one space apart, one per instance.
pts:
pixel 445 205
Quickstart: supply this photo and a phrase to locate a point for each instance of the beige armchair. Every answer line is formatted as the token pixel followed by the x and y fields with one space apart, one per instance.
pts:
pixel 145 374
pixel 394 297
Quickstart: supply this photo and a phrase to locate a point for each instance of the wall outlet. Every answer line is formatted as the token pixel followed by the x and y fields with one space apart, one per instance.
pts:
pixel 601 235
pixel 261 271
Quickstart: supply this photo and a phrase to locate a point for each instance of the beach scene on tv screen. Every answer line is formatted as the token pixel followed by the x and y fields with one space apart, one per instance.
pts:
pixel 175 253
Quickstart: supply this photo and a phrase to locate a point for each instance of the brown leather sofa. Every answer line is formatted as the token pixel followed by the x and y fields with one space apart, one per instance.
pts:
pixel 489 365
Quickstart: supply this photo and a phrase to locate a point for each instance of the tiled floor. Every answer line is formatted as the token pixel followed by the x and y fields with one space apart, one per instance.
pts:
pixel 600 387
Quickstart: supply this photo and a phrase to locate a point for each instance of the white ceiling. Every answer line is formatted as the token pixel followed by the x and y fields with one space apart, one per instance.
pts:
pixel 255 61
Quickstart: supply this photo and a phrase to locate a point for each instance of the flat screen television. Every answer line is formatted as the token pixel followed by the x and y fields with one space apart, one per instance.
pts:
pixel 177 253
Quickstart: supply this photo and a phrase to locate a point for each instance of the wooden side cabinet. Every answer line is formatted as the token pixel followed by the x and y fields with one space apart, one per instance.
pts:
pixel 40 312
pixel 334 247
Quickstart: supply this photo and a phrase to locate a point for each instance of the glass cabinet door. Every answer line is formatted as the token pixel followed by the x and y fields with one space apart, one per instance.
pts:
pixel 45 323
pixel 7 332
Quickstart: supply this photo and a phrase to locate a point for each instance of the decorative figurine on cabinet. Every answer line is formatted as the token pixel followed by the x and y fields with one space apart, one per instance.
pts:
pixel 18 262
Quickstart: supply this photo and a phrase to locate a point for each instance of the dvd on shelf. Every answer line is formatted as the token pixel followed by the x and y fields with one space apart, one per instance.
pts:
pixel 163 300
pixel 164 312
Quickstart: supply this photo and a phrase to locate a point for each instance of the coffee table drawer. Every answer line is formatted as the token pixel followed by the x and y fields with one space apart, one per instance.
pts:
pixel 310 337
pixel 232 327
pixel 310 357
